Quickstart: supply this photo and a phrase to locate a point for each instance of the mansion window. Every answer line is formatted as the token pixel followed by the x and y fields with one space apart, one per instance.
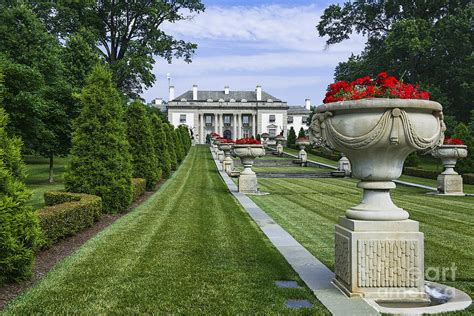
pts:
pixel 304 119
pixel 272 119
pixel 182 118
pixel 290 119
pixel 208 119
pixel 272 133
pixel 227 120
pixel 245 120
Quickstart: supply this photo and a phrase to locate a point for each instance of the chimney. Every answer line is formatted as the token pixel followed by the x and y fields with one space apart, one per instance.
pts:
pixel 307 104
pixel 158 101
pixel 195 92
pixel 226 90
pixel 259 93
pixel 171 97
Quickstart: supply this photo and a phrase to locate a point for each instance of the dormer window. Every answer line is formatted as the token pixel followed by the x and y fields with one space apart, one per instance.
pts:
pixel 182 118
pixel 243 100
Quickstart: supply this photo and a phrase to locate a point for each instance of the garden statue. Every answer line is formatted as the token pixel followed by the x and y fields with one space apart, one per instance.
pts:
pixel 379 251
pixel 449 181
pixel 344 165
pixel 247 149
pixel 279 148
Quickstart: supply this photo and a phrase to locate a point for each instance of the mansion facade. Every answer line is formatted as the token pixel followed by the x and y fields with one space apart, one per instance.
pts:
pixel 233 114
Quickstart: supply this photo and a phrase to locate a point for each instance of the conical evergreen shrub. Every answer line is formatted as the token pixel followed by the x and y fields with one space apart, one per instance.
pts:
pixel 100 159
pixel 291 140
pixel 161 149
pixel 19 226
pixel 142 148
pixel 170 144
pixel 178 145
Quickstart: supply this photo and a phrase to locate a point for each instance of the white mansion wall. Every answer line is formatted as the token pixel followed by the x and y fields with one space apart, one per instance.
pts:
pixel 174 118
pixel 297 123
pixel 264 121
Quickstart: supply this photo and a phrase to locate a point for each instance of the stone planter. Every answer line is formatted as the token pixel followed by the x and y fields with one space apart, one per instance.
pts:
pixel 279 148
pixel 227 163
pixel 247 153
pixel 449 181
pixel 379 252
pixel 302 155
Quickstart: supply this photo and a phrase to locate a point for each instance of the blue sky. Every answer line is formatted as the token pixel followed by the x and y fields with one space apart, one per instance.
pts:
pixel 247 43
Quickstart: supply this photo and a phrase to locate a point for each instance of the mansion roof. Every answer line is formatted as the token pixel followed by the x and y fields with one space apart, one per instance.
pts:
pixel 298 110
pixel 220 96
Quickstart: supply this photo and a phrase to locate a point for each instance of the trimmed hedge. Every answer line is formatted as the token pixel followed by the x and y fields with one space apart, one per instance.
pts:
pixel 67 214
pixel 468 178
pixel 139 187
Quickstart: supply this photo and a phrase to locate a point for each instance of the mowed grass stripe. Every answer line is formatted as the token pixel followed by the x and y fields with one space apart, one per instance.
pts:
pixel 190 248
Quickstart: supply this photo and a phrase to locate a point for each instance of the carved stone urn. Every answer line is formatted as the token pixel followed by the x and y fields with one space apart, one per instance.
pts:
pixel 449 181
pixel 227 163
pixel 302 142
pixel 379 251
pixel 247 153
pixel 279 148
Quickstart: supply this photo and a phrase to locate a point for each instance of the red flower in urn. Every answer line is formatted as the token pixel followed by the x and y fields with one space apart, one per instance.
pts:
pixel 452 141
pixel 248 141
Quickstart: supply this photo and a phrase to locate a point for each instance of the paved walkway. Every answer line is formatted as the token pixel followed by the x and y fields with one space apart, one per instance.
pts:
pixel 312 271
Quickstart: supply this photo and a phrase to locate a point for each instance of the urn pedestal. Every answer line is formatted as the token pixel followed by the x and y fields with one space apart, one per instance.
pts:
pixel 379 252
pixel 449 181
pixel 302 142
pixel 247 182
pixel 228 162
pixel 279 149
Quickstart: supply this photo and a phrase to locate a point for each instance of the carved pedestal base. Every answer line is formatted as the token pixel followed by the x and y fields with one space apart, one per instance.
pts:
pixel 228 165
pixel 380 259
pixel 450 184
pixel 220 155
pixel 248 183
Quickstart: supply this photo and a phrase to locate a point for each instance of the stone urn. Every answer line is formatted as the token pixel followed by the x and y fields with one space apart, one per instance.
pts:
pixel 227 163
pixel 449 181
pixel 302 142
pixel 247 153
pixel 379 252
pixel 279 148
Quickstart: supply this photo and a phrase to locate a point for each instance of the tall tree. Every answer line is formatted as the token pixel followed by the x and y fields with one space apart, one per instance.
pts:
pixel 291 140
pixel 142 148
pixel 128 33
pixel 426 42
pixel 38 95
pixel 465 165
pixel 100 159
pixel 19 226
pixel 160 145
pixel 171 145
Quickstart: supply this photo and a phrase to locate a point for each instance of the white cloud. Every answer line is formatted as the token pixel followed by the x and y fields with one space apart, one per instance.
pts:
pixel 276 46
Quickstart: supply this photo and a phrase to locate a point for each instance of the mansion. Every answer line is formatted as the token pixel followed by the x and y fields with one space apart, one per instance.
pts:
pixel 234 114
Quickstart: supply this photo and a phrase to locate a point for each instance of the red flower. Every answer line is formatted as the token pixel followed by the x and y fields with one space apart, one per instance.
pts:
pixel 452 141
pixel 247 141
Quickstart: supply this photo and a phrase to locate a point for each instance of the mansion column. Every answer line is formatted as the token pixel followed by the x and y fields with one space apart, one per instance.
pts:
pixel 234 123
pixel 254 134
pixel 216 123
pixel 221 124
pixel 239 125
pixel 202 137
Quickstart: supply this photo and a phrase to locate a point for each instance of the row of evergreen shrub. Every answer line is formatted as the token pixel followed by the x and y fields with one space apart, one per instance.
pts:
pixel 67 214
pixel 139 188
pixel 113 143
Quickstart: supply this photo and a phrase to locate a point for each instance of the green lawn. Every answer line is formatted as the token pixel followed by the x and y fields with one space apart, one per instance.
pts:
pixel 189 249
pixel 37 178
pixel 292 169
pixel 312 157
pixel 309 208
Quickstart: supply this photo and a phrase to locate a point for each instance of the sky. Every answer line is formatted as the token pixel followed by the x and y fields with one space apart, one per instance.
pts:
pixel 243 43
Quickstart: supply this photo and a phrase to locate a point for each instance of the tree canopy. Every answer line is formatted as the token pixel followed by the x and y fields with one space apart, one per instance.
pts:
pixel 425 42
pixel 128 33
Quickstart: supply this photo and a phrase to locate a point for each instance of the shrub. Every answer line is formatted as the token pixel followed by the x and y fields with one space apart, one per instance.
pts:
pixel 291 140
pixel 144 161
pixel 301 133
pixel 67 214
pixel 139 187
pixel 19 226
pixel 422 173
pixel 465 165
pixel 100 159
pixel 468 178
pixel 160 145
pixel 332 155
pixel 178 144
pixel 170 145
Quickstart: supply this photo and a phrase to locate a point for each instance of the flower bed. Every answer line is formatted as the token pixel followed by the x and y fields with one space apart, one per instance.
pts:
pixel 67 214
pixel 383 86
pixel 248 141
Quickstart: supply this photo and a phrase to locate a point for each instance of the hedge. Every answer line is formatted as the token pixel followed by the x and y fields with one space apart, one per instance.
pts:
pixel 468 178
pixel 139 187
pixel 67 214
